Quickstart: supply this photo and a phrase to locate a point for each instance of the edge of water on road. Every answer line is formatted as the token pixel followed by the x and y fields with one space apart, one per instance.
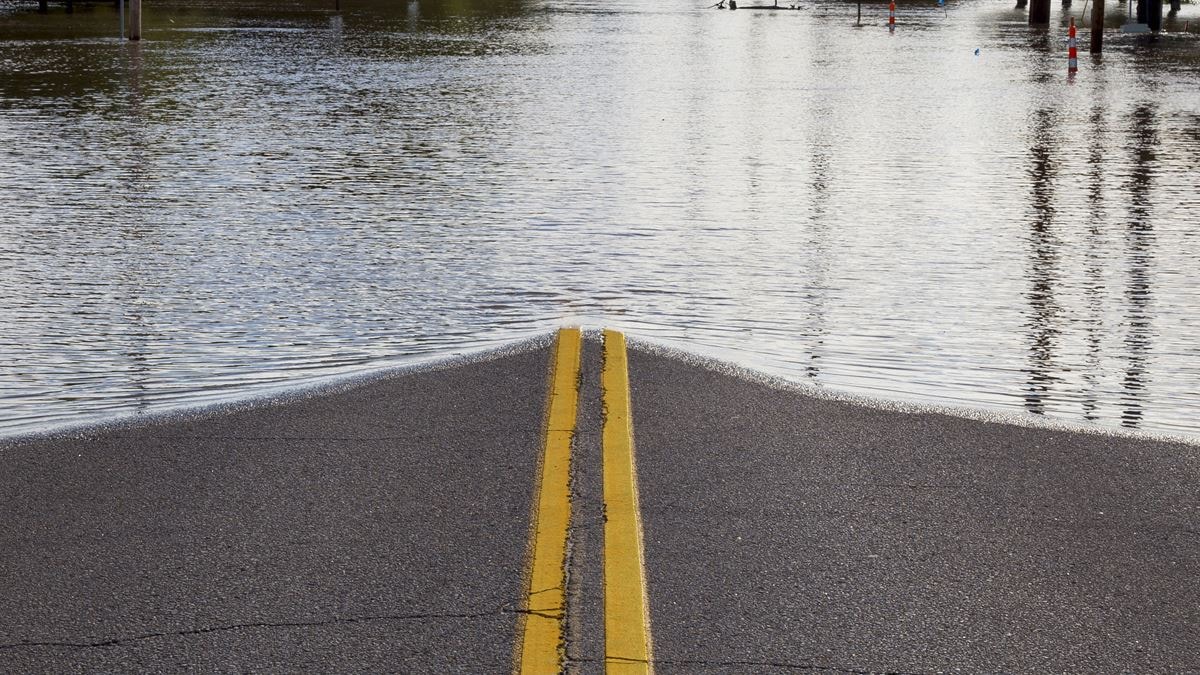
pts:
pixel 238 400
pixel 241 400
pixel 711 359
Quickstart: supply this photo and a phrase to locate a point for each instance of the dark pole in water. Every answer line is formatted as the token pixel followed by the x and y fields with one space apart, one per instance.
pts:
pixel 859 23
pixel 43 7
pixel 70 6
pixel 1097 27
pixel 1176 5
pixel 121 12
pixel 1039 12
pixel 1155 15
pixel 1143 12
pixel 135 19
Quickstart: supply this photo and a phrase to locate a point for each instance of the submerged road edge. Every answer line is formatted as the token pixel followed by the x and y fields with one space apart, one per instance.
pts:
pixel 540 647
pixel 626 613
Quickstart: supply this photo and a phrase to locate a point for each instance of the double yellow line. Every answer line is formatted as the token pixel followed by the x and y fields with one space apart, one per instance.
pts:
pixel 542 644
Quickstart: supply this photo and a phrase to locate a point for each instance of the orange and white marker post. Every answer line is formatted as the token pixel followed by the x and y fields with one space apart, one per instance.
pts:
pixel 892 15
pixel 1072 53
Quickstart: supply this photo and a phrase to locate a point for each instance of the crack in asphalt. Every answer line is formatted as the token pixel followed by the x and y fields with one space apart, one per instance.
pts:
pixel 210 437
pixel 555 613
pixel 116 642
pixel 624 659
pixel 733 663
pixel 790 666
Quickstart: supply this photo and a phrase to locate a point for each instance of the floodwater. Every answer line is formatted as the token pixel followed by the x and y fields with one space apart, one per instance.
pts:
pixel 260 194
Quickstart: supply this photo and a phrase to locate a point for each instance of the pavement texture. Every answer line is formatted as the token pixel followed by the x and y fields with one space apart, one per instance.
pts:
pixel 384 529
pixel 785 533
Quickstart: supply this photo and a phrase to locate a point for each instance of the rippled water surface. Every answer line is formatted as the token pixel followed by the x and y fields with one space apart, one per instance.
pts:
pixel 257 195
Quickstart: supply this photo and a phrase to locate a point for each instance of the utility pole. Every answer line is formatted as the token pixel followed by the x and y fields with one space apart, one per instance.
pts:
pixel 1097 27
pixel 135 19
pixel 1039 13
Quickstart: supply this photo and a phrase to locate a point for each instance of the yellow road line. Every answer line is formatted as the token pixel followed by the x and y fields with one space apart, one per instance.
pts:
pixel 626 621
pixel 541 629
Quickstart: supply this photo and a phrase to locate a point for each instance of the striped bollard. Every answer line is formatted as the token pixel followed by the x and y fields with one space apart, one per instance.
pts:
pixel 1072 54
pixel 892 15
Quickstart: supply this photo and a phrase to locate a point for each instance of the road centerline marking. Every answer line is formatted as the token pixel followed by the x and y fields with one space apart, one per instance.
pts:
pixel 626 615
pixel 541 625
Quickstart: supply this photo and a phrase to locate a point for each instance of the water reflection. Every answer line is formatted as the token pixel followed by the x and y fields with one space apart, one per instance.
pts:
pixel 1096 261
pixel 1139 241
pixel 817 244
pixel 260 194
pixel 1043 274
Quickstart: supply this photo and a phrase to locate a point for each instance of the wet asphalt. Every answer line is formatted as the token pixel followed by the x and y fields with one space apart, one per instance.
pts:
pixel 384 529
pixel 785 533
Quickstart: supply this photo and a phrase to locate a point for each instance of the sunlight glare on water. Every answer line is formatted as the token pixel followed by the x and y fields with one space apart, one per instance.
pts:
pixel 260 194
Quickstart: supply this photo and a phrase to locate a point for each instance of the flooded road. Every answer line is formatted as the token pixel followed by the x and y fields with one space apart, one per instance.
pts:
pixel 253 197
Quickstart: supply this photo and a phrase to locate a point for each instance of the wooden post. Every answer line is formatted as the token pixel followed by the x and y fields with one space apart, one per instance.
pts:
pixel 70 6
pixel 1097 27
pixel 1155 15
pixel 135 19
pixel 1039 13
pixel 43 7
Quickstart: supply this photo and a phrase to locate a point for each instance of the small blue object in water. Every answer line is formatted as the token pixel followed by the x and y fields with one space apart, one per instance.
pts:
pixel 977 51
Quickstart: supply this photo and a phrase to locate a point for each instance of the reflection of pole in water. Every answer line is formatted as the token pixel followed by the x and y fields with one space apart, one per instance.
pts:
pixel 818 247
pixel 137 328
pixel 1139 237
pixel 413 12
pixel 1043 267
pixel 1096 263
pixel 135 283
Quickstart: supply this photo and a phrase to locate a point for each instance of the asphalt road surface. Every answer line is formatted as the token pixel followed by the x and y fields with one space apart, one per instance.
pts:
pixel 379 530
pixel 386 528
pixel 785 533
